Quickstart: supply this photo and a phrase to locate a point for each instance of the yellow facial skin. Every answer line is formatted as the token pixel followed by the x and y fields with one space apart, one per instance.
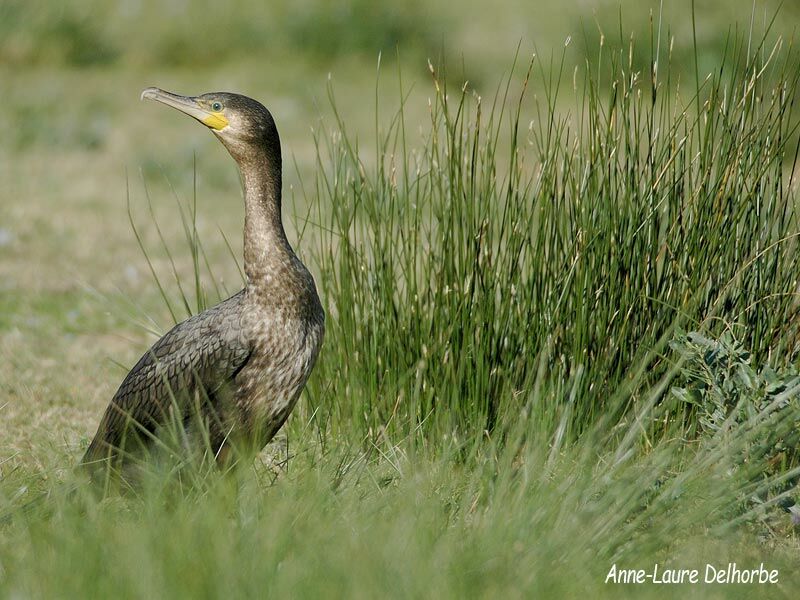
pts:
pixel 215 120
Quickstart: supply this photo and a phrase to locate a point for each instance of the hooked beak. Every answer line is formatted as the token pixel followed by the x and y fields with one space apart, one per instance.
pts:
pixel 188 105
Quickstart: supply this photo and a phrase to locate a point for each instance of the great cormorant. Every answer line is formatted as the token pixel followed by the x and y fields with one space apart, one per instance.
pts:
pixel 238 367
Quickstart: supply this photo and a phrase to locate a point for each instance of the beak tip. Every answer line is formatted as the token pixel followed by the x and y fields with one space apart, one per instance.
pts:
pixel 149 93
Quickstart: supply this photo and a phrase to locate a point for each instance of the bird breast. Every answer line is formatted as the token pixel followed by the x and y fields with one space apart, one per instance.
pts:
pixel 286 347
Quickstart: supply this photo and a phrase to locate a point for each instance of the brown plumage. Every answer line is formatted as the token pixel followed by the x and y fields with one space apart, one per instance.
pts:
pixel 238 367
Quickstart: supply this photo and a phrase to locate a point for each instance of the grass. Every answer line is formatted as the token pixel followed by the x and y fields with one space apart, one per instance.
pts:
pixel 97 34
pixel 507 402
pixel 643 214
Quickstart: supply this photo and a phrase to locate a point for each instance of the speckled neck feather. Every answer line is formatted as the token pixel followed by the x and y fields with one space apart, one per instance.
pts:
pixel 264 237
pixel 265 244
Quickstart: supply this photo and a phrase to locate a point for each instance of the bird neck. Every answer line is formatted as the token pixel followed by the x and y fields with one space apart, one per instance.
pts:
pixel 266 247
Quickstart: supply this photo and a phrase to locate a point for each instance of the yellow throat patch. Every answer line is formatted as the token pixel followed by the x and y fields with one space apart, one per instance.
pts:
pixel 216 121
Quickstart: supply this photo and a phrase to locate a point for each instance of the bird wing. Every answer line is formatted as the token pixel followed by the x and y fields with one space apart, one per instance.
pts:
pixel 203 353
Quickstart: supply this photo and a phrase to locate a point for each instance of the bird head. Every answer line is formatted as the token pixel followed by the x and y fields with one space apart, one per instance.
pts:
pixel 239 122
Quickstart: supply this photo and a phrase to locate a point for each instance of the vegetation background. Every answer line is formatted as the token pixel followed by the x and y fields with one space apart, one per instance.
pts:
pixel 508 401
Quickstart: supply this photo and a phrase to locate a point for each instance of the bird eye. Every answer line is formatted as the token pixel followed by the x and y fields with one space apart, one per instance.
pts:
pixel 216 106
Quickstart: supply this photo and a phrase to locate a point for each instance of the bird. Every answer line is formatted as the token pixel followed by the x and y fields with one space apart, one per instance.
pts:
pixel 229 376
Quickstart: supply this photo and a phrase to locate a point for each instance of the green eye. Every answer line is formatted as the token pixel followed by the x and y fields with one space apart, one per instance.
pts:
pixel 216 106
